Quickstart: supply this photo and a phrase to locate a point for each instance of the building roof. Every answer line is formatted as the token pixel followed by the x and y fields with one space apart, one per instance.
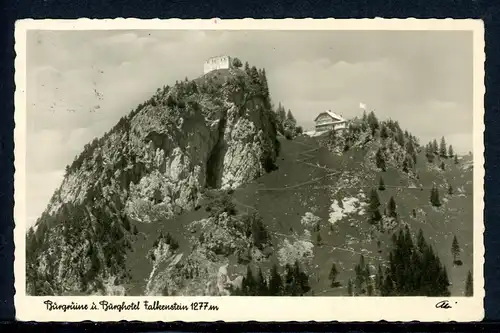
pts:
pixel 218 57
pixel 331 114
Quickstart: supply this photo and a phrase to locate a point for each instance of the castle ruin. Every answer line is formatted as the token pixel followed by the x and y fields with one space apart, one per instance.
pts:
pixel 219 62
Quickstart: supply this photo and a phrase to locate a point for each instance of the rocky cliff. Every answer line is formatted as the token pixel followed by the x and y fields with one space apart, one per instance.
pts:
pixel 217 131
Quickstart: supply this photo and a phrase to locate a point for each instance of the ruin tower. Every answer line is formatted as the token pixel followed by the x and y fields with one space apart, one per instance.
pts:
pixel 219 62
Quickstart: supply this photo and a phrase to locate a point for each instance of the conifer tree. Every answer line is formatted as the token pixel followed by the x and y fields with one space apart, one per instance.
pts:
pixel 429 153
pixel 434 147
pixel 469 286
pixel 451 153
pixel 405 166
pixel 379 160
pixel 248 284
pixel 333 275
pixel 435 201
pixel 319 240
pixel 275 282
pixel 301 278
pixel 421 240
pixel 379 278
pixel 400 139
pixel 442 166
pixel 450 189
pixel 349 287
pixel 455 249
pixel 391 208
pixel 373 206
pixel 381 185
pixel 372 122
pixel 442 148
pixel 409 270
pixel 247 67
pixel 456 159
pixel 282 113
pixel 254 75
pixel 290 117
pixel 291 284
pixel 383 131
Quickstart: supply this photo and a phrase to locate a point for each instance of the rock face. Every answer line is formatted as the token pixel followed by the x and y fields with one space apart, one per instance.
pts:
pixel 217 131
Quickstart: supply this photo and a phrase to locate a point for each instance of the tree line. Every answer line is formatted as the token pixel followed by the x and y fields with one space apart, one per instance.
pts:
pixel 293 281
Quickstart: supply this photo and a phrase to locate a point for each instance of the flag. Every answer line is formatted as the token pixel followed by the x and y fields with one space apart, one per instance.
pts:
pixel 362 106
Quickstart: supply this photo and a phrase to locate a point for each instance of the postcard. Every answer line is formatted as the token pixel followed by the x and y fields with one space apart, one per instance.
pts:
pixel 249 170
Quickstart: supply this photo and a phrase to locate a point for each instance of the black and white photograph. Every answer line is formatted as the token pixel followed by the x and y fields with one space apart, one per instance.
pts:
pixel 327 164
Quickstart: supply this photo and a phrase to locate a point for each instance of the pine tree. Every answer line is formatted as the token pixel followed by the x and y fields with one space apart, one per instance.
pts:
pixel 290 117
pixel 369 288
pixel 254 75
pixel 372 122
pixel 434 147
pixel 379 160
pixel 435 201
pixel 451 153
pixel 302 279
pixel 275 282
pixel 379 279
pixel 469 285
pixel 319 240
pixel 421 241
pixel 450 189
pixel 249 285
pixel 291 286
pixel 442 148
pixel 247 67
pixel 373 206
pixel 391 208
pixel 455 249
pixel 429 153
pixel 383 132
pixel 381 185
pixel 333 275
pixel 442 166
pixel 405 165
pixel 456 159
pixel 265 88
pixel 410 267
pixel 349 287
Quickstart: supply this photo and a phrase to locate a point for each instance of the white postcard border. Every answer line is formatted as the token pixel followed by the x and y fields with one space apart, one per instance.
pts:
pixel 233 308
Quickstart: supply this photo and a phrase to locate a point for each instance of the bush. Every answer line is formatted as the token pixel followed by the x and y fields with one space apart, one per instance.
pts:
pixel 220 202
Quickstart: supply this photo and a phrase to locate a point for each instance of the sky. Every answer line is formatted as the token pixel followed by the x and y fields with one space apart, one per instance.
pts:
pixel 80 83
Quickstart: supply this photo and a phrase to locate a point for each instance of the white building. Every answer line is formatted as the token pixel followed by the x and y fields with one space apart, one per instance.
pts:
pixel 219 62
pixel 328 120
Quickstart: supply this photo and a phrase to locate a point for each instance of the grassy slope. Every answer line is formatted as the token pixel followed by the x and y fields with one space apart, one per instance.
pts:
pixel 284 196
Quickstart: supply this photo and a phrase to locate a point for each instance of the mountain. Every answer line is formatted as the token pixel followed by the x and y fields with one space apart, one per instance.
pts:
pixel 205 190
pixel 217 131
